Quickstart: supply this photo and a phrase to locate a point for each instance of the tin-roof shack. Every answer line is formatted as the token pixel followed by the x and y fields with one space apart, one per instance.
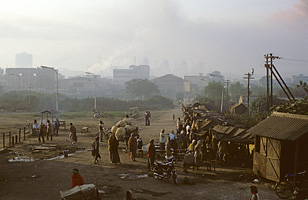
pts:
pixel 281 145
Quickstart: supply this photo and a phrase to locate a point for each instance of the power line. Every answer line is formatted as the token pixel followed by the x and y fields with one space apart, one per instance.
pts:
pixel 294 60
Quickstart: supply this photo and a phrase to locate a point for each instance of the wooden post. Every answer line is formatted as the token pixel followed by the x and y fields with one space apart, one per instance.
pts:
pixel 19 134
pixel 3 141
pixel 16 139
pixel 10 139
pixel 296 160
pixel 24 134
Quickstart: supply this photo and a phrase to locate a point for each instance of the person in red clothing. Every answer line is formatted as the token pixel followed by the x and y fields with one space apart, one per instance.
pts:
pixel 76 178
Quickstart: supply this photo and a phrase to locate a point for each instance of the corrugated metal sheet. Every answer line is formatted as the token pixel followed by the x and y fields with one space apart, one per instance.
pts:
pixel 282 126
pixel 230 133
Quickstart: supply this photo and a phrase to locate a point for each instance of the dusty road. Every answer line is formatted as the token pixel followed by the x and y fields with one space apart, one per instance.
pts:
pixel 43 179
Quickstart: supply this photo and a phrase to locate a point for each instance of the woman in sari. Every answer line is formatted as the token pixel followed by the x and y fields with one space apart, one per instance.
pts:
pixel 132 145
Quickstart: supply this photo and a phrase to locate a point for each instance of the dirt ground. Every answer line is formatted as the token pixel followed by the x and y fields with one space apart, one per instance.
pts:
pixel 48 172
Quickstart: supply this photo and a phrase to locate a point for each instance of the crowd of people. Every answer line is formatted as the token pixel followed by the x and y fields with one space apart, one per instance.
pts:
pixel 203 147
pixel 41 130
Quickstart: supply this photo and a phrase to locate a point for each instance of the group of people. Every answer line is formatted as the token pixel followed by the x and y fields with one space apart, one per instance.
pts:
pixel 41 130
pixel 185 139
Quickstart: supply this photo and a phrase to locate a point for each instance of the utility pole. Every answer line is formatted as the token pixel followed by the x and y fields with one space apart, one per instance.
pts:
pixel 269 58
pixel 249 76
pixel 227 100
pixel 89 73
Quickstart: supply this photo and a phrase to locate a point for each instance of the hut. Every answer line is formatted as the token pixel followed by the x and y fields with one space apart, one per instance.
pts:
pixel 235 143
pixel 238 109
pixel 280 145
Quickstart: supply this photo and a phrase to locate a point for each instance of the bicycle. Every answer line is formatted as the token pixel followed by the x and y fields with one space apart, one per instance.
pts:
pixel 286 188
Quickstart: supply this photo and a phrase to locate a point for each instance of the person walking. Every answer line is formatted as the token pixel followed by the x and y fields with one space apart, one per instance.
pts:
pixel 179 124
pixel 132 145
pixel 129 196
pixel 151 154
pixel 168 148
pixel 113 144
pixel 73 134
pixel 95 150
pixel 173 143
pixel 184 139
pixel 179 139
pixel 101 130
pixel 49 130
pixel 35 128
pixel 162 139
pixel 57 126
pixel 42 132
pixel 139 146
pixel 77 179
pixel 198 153
pixel 147 117
pixel 254 193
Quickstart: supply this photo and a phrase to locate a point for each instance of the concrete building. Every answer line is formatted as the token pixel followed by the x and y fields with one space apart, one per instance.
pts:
pixel 32 79
pixel 81 87
pixel 172 86
pixel 121 76
pixel 23 60
pixel 198 82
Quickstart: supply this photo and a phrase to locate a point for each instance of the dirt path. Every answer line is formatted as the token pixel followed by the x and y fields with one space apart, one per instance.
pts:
pixel 43 179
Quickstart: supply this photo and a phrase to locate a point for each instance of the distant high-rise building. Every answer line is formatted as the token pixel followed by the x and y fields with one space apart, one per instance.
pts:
pixel 297 78
pixel 23 60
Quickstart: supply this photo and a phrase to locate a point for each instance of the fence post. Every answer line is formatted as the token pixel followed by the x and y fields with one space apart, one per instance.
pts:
pixel 12 140
pixel 10 143
pixel 3 141
pixel 24 133
pixel 16 139
pixel 19 134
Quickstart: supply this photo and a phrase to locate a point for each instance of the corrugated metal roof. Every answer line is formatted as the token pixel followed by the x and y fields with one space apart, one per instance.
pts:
pixel 282 126
pixel 230 133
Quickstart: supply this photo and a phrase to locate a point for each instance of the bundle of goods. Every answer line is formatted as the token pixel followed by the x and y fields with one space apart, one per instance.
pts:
pixel 123 129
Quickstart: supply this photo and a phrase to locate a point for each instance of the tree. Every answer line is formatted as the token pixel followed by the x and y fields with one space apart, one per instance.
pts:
pixel 213 91
pixel 303 85
pixel 141 88
pixel 295 107
pixel 236 90
pixel 259 105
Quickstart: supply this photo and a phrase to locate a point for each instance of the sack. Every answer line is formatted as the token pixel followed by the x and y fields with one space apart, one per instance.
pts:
pixel 93 152
pixel 121 123
pixel 120 134
pixel 114 129
pixel 129 129
pixel 86 191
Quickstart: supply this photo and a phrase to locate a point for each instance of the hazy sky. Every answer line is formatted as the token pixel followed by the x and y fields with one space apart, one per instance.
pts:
pixel 228 36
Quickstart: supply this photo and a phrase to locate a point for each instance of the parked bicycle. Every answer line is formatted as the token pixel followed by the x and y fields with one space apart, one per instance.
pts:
pixel 286 188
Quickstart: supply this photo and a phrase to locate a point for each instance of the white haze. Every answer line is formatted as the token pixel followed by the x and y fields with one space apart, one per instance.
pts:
pixel 193 36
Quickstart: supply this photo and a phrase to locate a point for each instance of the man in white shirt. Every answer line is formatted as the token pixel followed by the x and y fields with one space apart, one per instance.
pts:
pixel 162 139
pixel 187 128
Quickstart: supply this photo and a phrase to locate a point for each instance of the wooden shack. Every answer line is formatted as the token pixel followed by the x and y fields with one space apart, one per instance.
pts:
pixel 238 109
pixel 281 145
